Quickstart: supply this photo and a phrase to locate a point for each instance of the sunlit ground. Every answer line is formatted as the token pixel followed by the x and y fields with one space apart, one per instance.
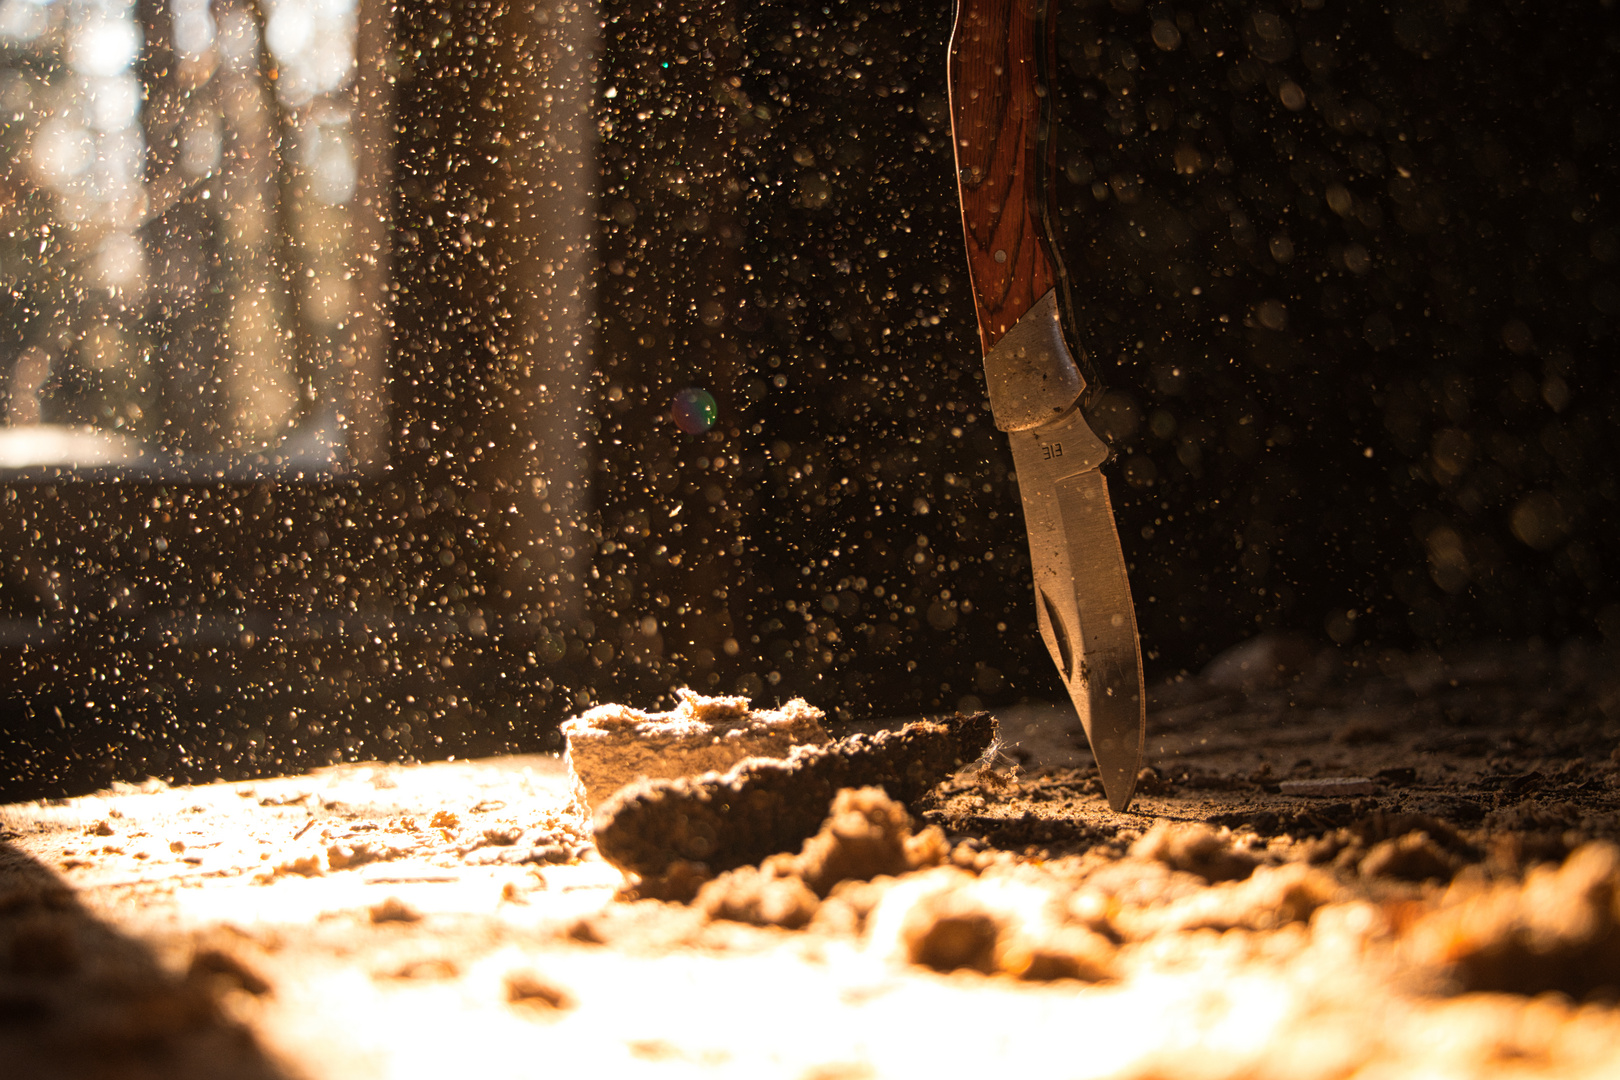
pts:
pixel 449 920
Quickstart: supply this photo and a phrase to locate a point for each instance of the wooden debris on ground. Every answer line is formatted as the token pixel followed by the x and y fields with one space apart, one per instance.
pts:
pixel 674 834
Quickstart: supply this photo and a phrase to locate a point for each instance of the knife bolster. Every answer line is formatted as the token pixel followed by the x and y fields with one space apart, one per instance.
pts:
pixel 1031 375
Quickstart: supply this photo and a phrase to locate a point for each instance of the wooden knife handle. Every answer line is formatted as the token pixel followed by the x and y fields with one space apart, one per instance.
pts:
pixel 1000 53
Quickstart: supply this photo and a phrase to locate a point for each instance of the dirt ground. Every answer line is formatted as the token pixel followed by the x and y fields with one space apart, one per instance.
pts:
pixel 1371 866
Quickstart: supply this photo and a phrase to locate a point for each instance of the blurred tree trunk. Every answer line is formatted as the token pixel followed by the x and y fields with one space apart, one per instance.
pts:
pixel 186 301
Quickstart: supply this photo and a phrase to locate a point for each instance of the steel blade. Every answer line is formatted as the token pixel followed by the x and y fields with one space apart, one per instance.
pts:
pixel 1082 594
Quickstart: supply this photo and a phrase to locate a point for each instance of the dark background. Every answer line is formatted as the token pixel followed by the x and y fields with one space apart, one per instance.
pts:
pixel 1351 276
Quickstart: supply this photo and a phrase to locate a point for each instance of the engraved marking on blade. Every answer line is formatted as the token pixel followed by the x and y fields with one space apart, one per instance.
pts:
pixel 1070 449
pixel 1061 634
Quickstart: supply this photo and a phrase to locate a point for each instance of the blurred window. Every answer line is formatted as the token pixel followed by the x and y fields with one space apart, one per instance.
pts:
pixel 187 235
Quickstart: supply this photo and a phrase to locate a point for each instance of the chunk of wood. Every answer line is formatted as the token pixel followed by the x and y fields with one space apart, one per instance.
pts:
pixel 1328 786
pixel 614 745
pixel 707 824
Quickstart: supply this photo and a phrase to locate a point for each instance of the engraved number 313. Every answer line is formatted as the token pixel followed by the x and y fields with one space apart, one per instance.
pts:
pixel 1050 450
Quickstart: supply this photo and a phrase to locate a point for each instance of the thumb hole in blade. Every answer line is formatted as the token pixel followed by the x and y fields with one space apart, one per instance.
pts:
pixel 1060 634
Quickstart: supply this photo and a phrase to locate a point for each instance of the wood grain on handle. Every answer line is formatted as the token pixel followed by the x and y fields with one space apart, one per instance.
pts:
pixel 995 118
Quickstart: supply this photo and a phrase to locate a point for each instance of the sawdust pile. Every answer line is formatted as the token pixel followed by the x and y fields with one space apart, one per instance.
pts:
pixel 1557 930
pixel 76 997
pixel 554 835
pixel 675 834
pixel 1413 904
pixel 1456 915
pixel 867 835
pixel 1396 945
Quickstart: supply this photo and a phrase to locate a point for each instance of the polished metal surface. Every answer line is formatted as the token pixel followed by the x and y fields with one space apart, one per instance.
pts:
pixel 1031 375
pixel 1082 594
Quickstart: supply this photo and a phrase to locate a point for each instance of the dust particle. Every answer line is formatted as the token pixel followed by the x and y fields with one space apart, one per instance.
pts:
pixel 393 909
pixel 526 989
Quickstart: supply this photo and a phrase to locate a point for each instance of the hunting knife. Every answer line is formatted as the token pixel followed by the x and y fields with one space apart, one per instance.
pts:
pixel 1040 388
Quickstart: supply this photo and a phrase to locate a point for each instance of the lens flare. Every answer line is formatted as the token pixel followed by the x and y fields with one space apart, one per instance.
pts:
pixel 694 410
